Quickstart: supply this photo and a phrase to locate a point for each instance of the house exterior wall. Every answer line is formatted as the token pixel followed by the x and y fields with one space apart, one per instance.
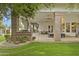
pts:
pixel 46 18
pixel 1 32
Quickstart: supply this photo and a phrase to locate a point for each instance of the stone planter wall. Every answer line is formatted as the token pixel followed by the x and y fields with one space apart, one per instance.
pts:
pixel 21 37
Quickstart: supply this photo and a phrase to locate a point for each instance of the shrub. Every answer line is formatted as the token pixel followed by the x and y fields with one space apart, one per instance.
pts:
pixel 2 38
pixel 22 38
pixel 33 38
pixel 7 37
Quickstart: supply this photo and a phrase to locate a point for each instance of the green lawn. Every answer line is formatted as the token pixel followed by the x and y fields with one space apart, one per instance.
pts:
pixel 43 49
pixel 2 38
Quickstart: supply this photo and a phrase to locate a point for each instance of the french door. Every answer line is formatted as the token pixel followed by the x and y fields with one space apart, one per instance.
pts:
pixel 50 28
pixel 69 28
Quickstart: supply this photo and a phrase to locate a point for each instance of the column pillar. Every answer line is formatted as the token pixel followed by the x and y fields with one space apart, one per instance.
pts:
pixel 77 29
pixel 70 27
pixel 65 27
pixel 57 27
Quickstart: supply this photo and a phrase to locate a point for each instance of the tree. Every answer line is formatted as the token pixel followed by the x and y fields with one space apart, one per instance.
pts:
pixel 27 10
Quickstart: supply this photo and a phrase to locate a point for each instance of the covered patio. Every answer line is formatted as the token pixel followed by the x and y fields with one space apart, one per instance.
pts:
pixel 45 38
pixel 61 22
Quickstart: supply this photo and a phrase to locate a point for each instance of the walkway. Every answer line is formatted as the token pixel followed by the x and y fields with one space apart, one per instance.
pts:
pixel 5 44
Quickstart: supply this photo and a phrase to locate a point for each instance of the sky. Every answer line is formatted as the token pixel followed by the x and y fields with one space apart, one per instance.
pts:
pixel 7 22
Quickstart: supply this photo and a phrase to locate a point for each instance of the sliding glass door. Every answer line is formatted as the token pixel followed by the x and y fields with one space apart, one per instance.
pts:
pixel 69 28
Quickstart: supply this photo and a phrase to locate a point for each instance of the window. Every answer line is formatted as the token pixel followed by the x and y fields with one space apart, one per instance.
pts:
pixel 73 27
pixel 67 27
pixel 63 24
pixel 63 27
pixel 52 28
pixel 49 28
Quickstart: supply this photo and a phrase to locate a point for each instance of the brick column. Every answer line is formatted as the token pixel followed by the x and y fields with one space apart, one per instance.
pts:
pixel 57 27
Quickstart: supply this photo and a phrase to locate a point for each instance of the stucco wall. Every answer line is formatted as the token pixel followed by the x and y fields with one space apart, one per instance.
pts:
pixel 46 18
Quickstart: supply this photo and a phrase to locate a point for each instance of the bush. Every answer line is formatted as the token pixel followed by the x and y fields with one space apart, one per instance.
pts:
pixel 22 38
pixel 7 37
pixel 2 38
pixel 33 38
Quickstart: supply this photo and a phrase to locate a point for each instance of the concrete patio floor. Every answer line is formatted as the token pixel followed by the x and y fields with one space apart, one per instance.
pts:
pixel 45 38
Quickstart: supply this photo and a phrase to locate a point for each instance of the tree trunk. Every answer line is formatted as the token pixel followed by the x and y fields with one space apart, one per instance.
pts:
pixel 14 22
pixel 14 25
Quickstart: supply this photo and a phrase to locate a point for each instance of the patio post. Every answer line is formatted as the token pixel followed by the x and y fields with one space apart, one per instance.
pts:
pixel 77 29
pixel 57 27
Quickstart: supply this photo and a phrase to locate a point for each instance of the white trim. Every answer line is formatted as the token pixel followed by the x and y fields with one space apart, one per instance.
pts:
pixel 59 10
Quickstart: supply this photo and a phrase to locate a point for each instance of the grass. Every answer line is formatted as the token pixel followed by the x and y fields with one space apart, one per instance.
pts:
pixel 43 49
pixel 2 38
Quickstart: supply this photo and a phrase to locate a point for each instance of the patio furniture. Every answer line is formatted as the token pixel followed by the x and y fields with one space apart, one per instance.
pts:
pixel 44 32
pixel 62 35
pixel 51 35
pixel 77 34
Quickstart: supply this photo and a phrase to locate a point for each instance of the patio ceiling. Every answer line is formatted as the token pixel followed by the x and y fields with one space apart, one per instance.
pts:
pixel 61 7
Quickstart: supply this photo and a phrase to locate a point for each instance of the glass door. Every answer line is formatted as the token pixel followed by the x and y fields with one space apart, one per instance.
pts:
pixel 73 26
pixel 68 27
pixel 50 28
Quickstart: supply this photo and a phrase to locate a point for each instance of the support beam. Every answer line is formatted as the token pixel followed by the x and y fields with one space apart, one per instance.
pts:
pixel 57 27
